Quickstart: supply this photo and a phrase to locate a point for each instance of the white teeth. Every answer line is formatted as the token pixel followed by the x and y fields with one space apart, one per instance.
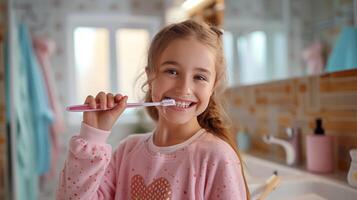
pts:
pixel 182 104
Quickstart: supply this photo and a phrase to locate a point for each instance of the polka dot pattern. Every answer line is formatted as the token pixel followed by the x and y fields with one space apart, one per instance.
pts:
pixel 137 173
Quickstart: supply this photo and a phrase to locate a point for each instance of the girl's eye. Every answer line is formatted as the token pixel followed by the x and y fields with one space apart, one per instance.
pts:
pixel 171 71
pixel 200 78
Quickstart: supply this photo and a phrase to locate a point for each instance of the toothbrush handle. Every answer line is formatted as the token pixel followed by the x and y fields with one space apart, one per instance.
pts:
pixel 134 105
pixel 82 108
pixel 85 107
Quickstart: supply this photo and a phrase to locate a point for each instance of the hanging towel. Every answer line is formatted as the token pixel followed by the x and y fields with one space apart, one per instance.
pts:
pixel 44 48
pixel 25 166
pixel 41 112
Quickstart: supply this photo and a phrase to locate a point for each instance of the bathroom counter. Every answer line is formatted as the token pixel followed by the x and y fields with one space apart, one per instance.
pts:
pixel 337 175
pixel 297 182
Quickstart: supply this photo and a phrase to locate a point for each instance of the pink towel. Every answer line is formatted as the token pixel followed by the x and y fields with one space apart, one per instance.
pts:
pixel 315 58
pixel 44 48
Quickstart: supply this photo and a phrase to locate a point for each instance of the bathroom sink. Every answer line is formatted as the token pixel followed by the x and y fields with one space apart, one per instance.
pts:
pixel 296 184
pixel 312 189
pixel 258 170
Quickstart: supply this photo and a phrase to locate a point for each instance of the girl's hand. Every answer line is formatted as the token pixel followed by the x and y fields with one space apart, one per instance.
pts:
pixel 104 119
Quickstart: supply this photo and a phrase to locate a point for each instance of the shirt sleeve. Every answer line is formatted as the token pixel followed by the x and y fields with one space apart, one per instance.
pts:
pixel 89 170
pixel 225 179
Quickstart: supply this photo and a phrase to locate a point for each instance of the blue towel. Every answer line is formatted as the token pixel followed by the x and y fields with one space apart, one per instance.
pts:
pixel 344 54
pixel 32 112
pixel 41 111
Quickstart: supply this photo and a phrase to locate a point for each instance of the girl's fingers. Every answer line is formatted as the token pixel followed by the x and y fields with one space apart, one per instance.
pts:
pixel 104 101
pixel 110 100
pixel 90 101
pixel 121 105
pixel 101 99
pixel 117 98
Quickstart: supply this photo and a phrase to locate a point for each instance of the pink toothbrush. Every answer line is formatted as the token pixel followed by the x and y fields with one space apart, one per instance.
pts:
pixel 85 107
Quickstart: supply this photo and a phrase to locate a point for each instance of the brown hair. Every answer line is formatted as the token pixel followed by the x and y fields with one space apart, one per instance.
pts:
pixel 214 118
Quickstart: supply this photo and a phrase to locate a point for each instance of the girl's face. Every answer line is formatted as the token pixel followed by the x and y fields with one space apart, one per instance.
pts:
pixel 186 72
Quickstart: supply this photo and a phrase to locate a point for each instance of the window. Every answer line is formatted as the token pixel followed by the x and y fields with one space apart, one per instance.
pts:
pixel 252 53
pixel 131 57
pixel 245 57
pixel 108 54
pixel 91 54
pixel 228 47
pixel 255 52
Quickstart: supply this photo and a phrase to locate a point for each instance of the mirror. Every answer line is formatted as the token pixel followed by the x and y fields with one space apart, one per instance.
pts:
pixel 279 39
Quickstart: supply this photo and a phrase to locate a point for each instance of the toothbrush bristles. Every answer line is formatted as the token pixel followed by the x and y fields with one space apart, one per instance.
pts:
pixel 168 102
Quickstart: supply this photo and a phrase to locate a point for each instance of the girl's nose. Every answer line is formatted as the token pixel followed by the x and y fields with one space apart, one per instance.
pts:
pixel 184 86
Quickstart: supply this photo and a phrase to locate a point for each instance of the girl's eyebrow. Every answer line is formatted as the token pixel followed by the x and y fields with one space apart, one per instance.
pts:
pixel 200 69
pixel 204 70
pixel 169 62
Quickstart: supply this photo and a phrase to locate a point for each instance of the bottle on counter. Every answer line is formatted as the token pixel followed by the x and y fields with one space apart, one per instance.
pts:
pixel 319 150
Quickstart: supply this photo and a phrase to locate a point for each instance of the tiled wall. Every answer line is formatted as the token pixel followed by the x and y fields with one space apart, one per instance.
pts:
pixel 271 107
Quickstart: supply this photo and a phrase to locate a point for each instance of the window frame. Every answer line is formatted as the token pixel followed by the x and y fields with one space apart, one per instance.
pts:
pixel 112 22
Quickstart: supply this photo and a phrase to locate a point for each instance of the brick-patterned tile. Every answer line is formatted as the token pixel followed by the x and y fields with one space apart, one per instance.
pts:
pixel 271 107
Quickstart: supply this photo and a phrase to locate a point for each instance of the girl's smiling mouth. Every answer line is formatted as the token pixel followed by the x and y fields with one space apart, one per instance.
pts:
pixel 181 104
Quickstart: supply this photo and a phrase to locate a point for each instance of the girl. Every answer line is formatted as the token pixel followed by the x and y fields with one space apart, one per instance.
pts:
pixel 189 155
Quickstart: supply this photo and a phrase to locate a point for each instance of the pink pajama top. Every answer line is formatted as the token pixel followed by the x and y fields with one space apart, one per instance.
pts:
pixel 202 167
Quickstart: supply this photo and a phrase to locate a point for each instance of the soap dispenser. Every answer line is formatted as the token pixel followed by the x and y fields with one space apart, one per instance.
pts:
pixel 352 174
pixel 319 150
